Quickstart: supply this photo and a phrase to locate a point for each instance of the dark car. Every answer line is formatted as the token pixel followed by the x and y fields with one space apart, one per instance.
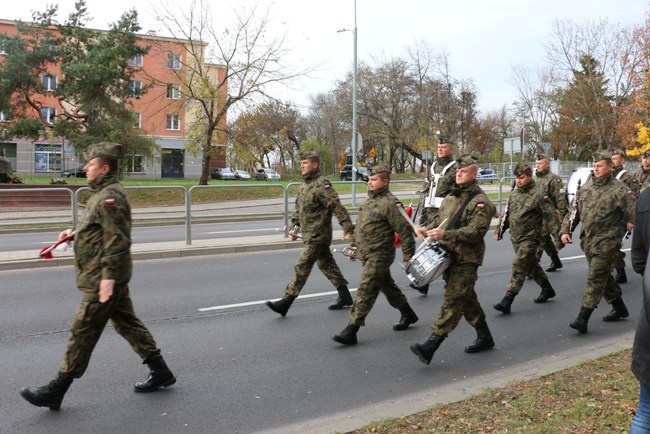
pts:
pixel 361 173
pixel 242 175
pixel 223 173
pixel 267 175
pixel 78 172
pixel 486 175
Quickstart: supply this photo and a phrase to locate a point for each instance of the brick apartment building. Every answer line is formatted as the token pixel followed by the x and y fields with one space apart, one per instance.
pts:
pixel 162 114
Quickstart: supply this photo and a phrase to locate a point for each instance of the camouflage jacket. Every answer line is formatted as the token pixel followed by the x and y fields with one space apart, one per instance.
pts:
pixel 528 209
pixel 465 241
pixel 602 204
pixel 628 178
pixel 643 176
pixel 102 241
pixel 315 203
pixel 377 222
pixel 445 181
pixel 552 186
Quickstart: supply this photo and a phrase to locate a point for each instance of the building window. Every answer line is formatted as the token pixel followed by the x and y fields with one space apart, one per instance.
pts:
pixel 49 82
pixel 135 88
pixel 137 120
pixel 173 61
pixel 47 158
pixel 173 122
pixel 135 163
pixel 4 117
pixel 174 91
pixel 49 114
pixel 136 60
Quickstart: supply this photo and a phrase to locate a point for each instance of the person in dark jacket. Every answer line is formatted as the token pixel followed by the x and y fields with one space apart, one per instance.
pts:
pixel 102 247
pixel 641 348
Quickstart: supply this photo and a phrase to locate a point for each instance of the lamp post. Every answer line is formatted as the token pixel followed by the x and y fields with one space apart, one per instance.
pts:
pixel 355 135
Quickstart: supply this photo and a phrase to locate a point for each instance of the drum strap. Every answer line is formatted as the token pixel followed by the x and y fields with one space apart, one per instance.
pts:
pixel 456 216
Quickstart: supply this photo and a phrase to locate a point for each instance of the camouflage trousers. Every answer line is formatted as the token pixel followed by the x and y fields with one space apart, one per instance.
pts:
pixel 526 263
pixel 460 300
pixel 90 321
pixel 375 278
pixel 322 256
pixel 600 283
pixel 547 245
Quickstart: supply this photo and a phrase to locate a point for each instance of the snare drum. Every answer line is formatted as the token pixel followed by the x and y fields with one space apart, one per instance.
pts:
pixel 427 264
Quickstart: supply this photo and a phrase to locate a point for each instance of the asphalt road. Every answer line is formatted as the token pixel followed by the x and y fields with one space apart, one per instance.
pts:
pixel 152 234
pixel 242 368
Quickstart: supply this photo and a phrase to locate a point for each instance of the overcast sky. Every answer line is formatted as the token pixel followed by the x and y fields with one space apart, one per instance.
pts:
pixel 484 38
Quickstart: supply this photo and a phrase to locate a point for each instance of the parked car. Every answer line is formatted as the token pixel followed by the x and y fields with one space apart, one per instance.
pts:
pixel 223 173
pixel 242 175
pixel 361 173
pixel 267 175
pixel 77 172
pixel 487 175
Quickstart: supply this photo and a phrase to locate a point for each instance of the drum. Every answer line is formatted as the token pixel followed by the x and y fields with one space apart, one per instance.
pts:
pixel 581 173
pixel 427 264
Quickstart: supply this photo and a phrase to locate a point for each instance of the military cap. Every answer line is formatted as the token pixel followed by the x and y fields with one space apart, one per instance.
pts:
pixel 378 168
pixel 309 154
pixel 541 156
pixel 602 155
pixel 466 160
pixel 646 154
pixel 617 151
pixel 442 138
pixel 521 168
pixel 104 149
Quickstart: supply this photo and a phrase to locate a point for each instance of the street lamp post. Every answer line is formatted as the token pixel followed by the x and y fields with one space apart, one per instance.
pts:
pixel 355 135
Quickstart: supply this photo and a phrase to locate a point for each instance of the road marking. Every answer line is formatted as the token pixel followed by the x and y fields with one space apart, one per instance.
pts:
pixel 255 303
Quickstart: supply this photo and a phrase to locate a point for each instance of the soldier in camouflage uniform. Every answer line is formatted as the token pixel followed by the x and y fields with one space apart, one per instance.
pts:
pixel 619 172
pixel 102 245
pixel 553 188
pixel 602 204
pixel 643 174
pixel 464 240
pixel 374 240
pixel 315 203
pixel 528 209
pixel 440 183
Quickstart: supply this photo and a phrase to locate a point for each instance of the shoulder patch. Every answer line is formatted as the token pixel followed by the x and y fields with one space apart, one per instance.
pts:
pixel 327 185
pixel 480 205
pixel 559 180
pixel 546 198
pixel 630 192
pixel 109 201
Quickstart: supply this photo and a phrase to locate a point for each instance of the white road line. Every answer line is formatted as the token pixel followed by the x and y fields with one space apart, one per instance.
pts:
pixel 255 303
pixel 320 294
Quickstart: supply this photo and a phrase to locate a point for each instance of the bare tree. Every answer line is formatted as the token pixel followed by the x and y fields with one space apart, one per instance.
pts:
pixel 224 69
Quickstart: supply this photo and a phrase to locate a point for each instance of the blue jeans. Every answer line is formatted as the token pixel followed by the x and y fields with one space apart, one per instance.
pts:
pixel 641 421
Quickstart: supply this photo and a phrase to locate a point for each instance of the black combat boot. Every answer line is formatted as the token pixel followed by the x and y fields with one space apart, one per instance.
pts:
pixel 580 323
pixel 424 289
pixel 504 305
pixel 619 311
pixel 547 292
pixel 348 335
pixel 282 305
pixel 425 351
pixel 344 299
pixel 50 395
pixel 159 375
pixel 556 264
pixel 408 317
pixel 483 340
pixel 621 277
